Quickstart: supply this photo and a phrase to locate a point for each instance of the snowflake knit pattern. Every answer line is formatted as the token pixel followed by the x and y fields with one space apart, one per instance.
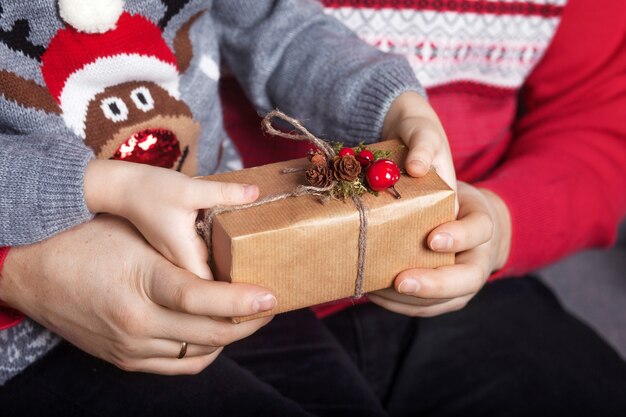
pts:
pixel 467 45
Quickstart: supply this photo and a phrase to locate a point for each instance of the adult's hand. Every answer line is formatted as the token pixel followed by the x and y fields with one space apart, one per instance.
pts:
pixel 481 239
pixel 104 289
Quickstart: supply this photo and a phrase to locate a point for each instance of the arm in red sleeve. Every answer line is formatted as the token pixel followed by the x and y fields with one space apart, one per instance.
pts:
pixel 8 316
pixel 4 251
pixel 564 177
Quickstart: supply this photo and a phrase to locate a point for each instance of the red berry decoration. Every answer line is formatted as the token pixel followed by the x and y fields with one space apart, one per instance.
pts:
pixel 346 151
pixel 365 157
pixel 383 174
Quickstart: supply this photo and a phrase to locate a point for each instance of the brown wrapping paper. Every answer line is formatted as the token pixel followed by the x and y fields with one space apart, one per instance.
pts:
pixel 306 252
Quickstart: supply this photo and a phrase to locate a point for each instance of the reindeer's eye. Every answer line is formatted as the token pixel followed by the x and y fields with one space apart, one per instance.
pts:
pixel 142 98
pixel 114 109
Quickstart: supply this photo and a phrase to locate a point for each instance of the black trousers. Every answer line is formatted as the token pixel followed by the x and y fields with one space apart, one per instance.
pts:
pixel 512 351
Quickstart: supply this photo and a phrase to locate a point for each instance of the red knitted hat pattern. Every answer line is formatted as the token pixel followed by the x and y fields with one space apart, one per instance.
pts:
pixel 134 50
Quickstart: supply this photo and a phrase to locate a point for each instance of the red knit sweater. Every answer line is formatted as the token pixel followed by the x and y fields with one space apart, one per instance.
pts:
pixel 559 162
pixel 8 316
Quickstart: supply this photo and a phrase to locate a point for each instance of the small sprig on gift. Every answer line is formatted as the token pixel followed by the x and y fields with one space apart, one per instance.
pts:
pixel 353 171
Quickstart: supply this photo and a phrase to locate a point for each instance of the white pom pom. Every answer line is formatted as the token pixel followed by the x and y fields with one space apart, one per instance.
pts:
pixel 91 16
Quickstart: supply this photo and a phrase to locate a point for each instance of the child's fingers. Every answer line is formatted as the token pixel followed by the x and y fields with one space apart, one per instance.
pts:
pixel 424 143
pixel 191 254
pixel 178 241
pixel 428 147
pixel 205 194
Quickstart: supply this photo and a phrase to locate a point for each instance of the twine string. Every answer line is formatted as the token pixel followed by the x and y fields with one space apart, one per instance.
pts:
pixel 291 170
pixel 204 224
pixel 304 134
pixel 358 285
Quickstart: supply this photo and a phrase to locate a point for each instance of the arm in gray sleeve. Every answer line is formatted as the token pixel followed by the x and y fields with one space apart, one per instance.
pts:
pixel 289 54
pixel 41 187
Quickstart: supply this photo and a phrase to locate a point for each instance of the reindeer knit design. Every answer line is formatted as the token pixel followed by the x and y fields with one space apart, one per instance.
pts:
pixel 144 89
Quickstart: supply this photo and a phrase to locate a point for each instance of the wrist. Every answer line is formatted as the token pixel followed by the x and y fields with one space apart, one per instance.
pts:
pixel 502 227
pixel 107 185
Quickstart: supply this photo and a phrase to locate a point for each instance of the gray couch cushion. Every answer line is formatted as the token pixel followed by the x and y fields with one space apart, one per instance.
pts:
pixel 592 286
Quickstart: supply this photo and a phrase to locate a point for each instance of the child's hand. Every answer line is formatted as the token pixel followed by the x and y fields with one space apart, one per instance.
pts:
pixel 163 204
pixel 481 238
pixel 411 119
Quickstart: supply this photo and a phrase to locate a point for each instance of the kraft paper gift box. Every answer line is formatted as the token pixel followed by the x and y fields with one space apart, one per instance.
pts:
pixel 306 251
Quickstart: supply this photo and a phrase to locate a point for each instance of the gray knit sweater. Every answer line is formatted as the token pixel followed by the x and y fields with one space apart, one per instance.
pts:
pixel 145 90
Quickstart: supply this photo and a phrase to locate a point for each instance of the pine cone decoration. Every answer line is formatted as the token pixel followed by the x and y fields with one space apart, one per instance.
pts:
pixel 346 168
pixel 318 176
pixel 318 159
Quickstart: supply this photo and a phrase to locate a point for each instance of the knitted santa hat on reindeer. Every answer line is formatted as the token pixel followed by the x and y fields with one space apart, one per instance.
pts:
pixel 103 46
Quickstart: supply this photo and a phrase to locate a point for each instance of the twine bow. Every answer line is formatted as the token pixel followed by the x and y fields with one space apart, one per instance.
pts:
pixel 204 224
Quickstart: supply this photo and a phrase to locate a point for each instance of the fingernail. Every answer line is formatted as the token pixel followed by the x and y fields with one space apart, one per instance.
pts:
pixel 249 190
pixel 441 241
pixel 418 165
pixel 263 302
pixel 409 286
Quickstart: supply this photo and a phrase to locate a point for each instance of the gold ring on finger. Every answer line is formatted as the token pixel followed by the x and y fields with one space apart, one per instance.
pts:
pixel 183 350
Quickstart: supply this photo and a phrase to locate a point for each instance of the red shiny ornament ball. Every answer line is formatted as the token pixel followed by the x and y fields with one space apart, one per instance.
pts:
pixel 365 158
pixel 383 174
pixel 346 151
